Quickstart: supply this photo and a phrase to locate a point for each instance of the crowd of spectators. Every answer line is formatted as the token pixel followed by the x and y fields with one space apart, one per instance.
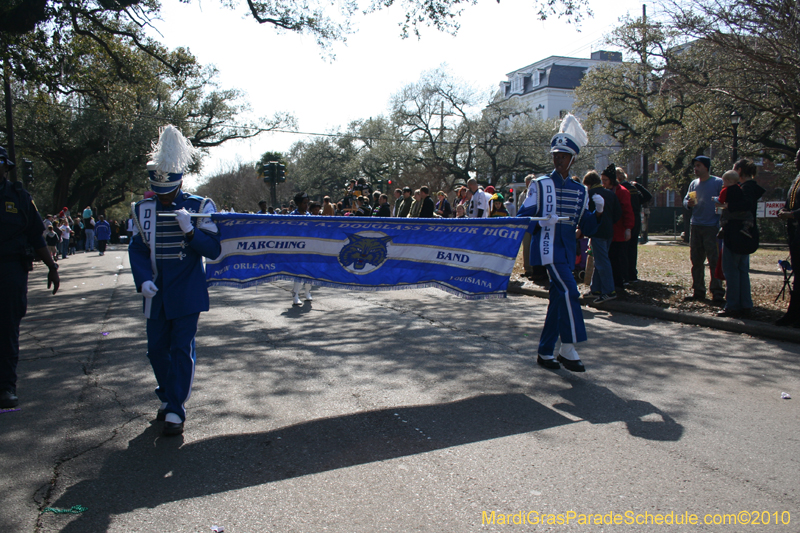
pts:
pixel 362 201
pixel 724 231
pixel 614 248
pixel 66 235
pixel 615 243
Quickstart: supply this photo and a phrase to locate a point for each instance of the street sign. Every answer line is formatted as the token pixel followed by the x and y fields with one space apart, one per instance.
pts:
pixel 769 209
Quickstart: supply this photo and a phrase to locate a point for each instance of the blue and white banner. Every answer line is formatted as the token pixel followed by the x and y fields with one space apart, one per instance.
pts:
pixel 471 258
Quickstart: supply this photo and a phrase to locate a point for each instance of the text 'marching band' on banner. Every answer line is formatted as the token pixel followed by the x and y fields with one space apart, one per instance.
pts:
pixel 471 258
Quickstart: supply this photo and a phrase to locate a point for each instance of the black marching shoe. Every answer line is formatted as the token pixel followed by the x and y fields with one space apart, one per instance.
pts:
pixel 550 364
pixel 572 366
pixel 161 415
pixel 727 313
pixel 172 429
pixel 8 399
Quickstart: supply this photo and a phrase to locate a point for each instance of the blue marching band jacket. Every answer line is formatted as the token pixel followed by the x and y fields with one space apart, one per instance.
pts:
pixel 160 252
pixel 552 194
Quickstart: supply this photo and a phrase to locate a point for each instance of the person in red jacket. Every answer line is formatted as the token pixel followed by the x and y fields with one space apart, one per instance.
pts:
pixel 617 252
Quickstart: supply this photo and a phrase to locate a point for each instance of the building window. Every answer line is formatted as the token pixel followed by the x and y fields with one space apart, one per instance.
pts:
pixel 516 84
pixel 535 80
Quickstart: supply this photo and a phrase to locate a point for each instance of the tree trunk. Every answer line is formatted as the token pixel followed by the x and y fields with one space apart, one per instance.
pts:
pixel 61 189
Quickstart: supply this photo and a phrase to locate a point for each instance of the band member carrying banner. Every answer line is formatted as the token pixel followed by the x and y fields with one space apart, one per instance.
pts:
pixel 166 255
pixel 557 196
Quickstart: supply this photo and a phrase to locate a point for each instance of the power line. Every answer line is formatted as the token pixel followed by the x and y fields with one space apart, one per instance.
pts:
pixel 520 142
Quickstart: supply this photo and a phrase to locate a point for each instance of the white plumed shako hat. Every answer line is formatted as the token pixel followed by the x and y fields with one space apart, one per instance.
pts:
pixel 570 137
pixel 170 156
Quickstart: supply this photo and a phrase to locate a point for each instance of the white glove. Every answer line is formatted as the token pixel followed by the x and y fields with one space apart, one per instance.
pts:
pixel 599 203
pixel 184 220
pixel 149 289
pixel 551 221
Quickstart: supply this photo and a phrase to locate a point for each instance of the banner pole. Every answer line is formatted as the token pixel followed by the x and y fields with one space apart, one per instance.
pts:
pixel 208 215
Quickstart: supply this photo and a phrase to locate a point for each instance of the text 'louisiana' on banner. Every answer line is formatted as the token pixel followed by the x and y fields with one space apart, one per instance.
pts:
pixel 471 258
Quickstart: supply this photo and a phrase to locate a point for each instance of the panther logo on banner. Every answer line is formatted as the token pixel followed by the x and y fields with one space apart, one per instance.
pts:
pixel 365 252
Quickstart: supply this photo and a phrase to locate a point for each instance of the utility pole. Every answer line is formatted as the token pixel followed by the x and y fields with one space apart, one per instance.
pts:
pixel 645 162
pixel 273 173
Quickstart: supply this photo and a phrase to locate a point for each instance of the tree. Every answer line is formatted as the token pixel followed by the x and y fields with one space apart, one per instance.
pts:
pixel 323 166
pixel 325 21
pixel 93 129
pixel 434 115
pixel 456 133
pixel 117 28
pixel 437 135
pixel 685 75
pixel 383 156
pixel 238 187
pixel 752 59
pixel 512 141
pixel 637 103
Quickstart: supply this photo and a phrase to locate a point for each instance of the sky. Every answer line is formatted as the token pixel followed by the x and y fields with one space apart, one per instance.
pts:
pixel 284 72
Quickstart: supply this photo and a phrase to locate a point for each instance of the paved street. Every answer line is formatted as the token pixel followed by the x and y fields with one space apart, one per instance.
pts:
pixel 390 411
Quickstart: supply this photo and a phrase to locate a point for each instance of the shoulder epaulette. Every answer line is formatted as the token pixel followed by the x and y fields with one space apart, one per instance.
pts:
pixel 143 200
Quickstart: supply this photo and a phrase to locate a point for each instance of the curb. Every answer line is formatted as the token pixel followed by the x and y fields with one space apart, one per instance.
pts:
pixel 734 325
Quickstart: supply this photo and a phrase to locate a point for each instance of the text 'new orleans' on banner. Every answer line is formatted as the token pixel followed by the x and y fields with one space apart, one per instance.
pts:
pixel 471 258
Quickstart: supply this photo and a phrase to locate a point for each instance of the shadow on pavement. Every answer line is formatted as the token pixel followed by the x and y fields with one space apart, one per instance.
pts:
pixel 598 405
pixel 154 470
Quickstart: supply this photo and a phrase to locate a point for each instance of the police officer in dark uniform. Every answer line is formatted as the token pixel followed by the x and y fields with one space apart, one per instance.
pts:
pixel 21 239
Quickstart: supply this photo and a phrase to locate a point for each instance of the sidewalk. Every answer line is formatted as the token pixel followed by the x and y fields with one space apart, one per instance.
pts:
pixel 671 240
pixel 734 325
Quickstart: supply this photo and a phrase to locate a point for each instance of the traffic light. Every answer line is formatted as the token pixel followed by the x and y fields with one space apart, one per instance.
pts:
pixel 273 172
pixel 27 170
pixel 389 183
pixel 510 191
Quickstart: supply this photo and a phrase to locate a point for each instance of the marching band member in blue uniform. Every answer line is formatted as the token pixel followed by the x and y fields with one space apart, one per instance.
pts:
pixel 166 255
pixel 553 245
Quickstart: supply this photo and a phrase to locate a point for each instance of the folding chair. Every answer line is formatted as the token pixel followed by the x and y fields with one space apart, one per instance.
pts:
pixel 786 268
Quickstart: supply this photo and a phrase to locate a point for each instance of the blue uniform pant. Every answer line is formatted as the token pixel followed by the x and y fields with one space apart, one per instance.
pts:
pixel 171 350
pixel 14 288
pixel 564 314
